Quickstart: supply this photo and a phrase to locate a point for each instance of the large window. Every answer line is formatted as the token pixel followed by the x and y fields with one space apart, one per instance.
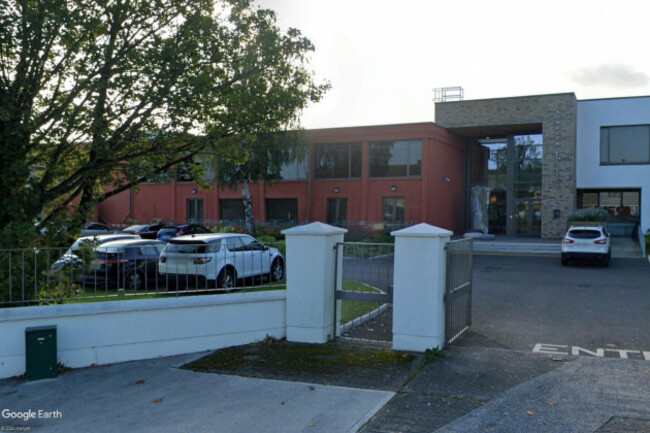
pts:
pixel 395 158
pixel 622 205
pixel 281 210
pixel 232 210
pixel 338 160
pixel 298 169
pixel 625 144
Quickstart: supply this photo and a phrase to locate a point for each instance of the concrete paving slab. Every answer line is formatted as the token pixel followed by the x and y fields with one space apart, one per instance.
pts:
pixel 418 413
pixel 581 396
pixel 154 396
pixel 479 373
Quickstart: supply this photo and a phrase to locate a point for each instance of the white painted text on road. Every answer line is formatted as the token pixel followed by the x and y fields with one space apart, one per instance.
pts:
pixel 563 349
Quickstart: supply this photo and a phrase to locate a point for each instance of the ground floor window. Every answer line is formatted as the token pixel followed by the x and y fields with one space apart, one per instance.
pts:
pixel 394 214
pixel 337 211
pixel 195 210
pixel 232 211
pixel 622 205
pixel 281 210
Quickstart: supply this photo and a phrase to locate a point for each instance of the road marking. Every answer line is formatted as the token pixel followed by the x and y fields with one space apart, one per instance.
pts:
pixel 563 349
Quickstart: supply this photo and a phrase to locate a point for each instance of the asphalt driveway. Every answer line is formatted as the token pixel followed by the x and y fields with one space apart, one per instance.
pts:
pixel 520 302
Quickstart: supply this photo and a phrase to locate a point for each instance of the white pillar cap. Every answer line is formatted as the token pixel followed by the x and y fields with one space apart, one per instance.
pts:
pixel 423 230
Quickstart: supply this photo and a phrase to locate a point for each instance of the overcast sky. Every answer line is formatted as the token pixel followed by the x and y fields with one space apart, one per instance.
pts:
pixel 384 58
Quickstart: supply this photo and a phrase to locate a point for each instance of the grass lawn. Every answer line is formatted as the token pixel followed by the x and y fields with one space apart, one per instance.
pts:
pixel 298 357
pixel 350 310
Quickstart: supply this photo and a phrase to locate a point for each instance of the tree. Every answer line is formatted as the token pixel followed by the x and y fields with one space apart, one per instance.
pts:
pixel 97 96
pixel 259 159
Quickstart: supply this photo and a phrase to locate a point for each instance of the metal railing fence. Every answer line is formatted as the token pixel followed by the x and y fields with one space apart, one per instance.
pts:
pixel 458 288
pixel 41 276
pixel 364 294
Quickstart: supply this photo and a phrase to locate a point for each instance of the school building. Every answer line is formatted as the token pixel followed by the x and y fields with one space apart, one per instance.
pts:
pixel 508 166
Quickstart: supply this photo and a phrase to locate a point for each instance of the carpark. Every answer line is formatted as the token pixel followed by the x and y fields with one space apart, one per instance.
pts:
pixel 523 301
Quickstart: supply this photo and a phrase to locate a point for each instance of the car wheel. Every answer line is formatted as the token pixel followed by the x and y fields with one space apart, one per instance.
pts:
pixel 227 279
pixel 277 270
pixel 134 281
pixel 565 262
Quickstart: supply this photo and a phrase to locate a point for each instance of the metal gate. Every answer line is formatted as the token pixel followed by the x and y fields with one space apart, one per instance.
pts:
pixel 458 289
pixel 364 291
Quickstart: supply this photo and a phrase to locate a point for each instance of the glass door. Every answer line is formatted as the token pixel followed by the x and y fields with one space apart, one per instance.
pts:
pixel 529 217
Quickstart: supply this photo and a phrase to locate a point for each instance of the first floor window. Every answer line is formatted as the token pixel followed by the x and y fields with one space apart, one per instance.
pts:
pixel 338 160
pixel 625 144
pixel 394 211
pixel 395 158
pixel 195 210
pixel 281 210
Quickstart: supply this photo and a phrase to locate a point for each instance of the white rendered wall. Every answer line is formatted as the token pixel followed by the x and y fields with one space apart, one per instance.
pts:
pixel 590 174
pixel 117 331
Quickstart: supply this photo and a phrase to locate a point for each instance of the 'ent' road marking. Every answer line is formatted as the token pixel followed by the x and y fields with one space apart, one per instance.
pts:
pixel 561 349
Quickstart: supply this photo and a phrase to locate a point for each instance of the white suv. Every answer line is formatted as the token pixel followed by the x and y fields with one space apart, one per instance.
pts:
pixel 218 259
pixel 586 242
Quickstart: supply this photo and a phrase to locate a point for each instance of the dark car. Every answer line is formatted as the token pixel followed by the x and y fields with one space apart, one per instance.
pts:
pixel 129 264
pixel 94 229
pixel 146 231
pixel 168 232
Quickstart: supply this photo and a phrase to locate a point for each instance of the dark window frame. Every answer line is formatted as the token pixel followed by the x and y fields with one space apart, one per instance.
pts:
pixel 605 160
pixel 393 221
pixel 339 211
pixel 410 143
pixel 192 206
pixel 351 174
pixel 227 201
pixel 294 207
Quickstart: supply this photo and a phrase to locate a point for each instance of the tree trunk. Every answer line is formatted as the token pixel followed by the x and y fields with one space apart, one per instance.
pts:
pixel 248 208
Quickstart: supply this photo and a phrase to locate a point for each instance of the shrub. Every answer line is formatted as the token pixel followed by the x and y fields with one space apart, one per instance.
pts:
pixel 589 214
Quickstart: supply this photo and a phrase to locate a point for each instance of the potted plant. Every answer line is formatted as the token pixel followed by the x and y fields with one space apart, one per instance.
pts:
pixel 593 216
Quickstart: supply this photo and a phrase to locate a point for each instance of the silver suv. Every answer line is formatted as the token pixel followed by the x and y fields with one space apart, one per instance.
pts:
pixel 220 260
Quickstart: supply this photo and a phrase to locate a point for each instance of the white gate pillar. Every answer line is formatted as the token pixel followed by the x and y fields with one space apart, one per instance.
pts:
pixel 419 288
pixel 310 281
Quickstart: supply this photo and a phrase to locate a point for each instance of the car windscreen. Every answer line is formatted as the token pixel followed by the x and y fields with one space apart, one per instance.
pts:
pixel 135 229
pixel 193 248
pixel 80 243
pixel 585 234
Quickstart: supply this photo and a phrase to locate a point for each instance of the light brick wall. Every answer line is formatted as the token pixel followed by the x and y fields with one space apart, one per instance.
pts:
pixel 556 114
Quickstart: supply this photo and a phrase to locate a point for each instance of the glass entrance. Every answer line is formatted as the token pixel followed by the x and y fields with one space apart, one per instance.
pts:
pixel 528 184
pixel 511 169
pixel 529 217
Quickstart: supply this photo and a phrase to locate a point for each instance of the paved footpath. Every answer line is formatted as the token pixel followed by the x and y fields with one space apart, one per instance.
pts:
pixel 156 396
pixel 475 389
pixel 470 389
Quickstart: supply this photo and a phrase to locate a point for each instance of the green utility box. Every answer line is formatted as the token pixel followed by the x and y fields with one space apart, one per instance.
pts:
pixel 40 349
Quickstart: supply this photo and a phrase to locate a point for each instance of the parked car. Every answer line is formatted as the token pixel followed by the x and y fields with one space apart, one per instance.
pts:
pixel 586 242
pixel 90 242
pixel 168 232
pixel 129 263
pixel 219 259
pixel 92 229
pixel 145 231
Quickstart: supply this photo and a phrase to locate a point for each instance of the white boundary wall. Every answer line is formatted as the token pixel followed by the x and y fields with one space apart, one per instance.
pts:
pixel 117 331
